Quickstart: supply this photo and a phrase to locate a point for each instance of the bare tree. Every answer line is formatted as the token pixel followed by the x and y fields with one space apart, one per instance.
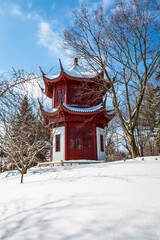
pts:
pixel 11 84
pixel 124 43
pixel 23 145
pixel 23 139
pixel 115 143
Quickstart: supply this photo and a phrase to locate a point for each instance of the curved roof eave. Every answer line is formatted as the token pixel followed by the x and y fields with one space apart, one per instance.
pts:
pixel 110 116
pixel 51 113
pixel 78 111
pixel 62 74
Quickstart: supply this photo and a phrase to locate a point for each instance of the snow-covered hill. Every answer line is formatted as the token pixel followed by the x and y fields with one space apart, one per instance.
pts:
pixel 107 201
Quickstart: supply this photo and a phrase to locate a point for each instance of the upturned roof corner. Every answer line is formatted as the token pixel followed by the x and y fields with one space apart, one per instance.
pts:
pixel 61 67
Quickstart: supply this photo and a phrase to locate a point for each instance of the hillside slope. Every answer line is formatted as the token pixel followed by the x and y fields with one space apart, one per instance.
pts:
pixel 107 201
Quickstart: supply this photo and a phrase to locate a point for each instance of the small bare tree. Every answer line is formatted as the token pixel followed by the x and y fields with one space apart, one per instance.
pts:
pixel 124 43
pixel 11 84
pixel 23 138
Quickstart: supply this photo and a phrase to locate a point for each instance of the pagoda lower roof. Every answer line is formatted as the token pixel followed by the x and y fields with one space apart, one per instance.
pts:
pixel 78 109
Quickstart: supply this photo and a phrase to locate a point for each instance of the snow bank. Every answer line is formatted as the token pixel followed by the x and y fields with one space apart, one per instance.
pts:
pixel 106 201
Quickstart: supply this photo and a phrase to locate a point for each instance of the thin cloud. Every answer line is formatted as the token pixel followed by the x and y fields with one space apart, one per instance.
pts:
pixel 49 38
pixel 16 10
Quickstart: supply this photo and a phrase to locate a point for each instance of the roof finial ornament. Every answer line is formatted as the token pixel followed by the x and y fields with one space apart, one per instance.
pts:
pixel 60 64
pixel 76 61
pixel 41 71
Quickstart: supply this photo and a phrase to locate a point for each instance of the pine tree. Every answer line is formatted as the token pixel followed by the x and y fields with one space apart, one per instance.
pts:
pixel 157 135
pixel 24 120
pixel 157 128
pixel 147 120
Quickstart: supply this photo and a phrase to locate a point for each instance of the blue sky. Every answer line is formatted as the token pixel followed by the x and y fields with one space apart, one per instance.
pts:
pixel 30 31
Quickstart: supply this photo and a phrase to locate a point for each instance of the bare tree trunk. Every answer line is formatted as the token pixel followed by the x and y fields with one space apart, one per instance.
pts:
pixel 134 149
pixel 1 166
pixel 22 177
pixel 24 171
pixel 141 147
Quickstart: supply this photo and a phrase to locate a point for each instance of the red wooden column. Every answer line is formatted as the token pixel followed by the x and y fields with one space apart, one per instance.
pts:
pixel 66 91
pixel 53 98
pixel 51 139
pixel 95 141
pixel 66 141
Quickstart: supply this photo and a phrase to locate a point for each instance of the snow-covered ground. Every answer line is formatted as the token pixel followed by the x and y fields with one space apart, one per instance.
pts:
pixel 106 201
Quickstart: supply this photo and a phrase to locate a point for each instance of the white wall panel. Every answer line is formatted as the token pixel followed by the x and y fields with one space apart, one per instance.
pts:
pixel 100 155
pixel 57 156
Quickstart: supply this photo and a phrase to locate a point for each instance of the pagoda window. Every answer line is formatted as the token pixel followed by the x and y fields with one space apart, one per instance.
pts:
pixel 60 96
pixel 72 93
pixel 77 140
pixel 62 99
pixel 89 94
pixel 58 143
pixel 72 139
pixel 89 140
pixel 101 143
pixel 98 101
pixel 84 139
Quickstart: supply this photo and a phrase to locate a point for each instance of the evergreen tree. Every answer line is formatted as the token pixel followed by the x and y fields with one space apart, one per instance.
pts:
pixel 147 121
pixel 24 119
pixel 157 136
pixel 157 128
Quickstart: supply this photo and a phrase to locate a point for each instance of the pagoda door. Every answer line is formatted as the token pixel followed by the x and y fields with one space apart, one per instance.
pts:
pixel 81 143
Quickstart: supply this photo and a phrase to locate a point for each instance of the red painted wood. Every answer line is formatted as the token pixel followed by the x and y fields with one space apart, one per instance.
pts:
pixel 66 141
pixel 82 88
pixel 79 133
pixel 53 97
pixel 66 91
pixel 83 94
pixel 95 141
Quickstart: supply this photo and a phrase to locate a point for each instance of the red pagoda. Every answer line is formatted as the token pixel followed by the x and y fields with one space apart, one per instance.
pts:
pixel 78 118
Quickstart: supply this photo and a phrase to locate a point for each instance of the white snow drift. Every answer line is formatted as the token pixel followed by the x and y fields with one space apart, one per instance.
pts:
pixel 107 201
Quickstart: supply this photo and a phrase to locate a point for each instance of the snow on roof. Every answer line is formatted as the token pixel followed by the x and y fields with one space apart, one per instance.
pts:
pixel 52 77
pixel 76 108
pixel 80 109
pixel 83 109
pixel 50 110
pixel 76 71
pixel 79 72
pixel 110 112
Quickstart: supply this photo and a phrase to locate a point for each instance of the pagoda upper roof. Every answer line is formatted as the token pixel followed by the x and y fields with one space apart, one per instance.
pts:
pixel 83 109
pixel 75 71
